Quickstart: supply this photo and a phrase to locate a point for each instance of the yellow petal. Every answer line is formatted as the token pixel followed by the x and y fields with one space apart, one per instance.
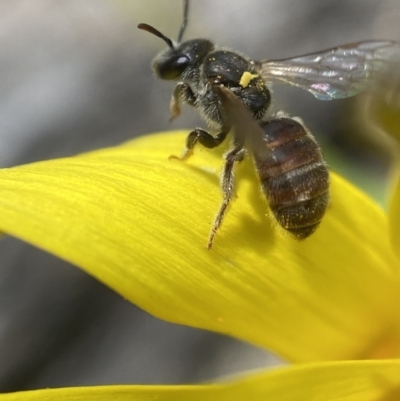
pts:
pixel 139 223
pixel 394 218
pixel 382 104
pixel 344 381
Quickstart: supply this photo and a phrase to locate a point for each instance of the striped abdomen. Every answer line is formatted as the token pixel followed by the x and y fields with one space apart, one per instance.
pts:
pixel 294 176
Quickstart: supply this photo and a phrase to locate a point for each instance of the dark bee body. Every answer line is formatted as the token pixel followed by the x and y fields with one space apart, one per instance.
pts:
pixel 200 66
pixel 240 75
pixel 231 93
pixel 294 176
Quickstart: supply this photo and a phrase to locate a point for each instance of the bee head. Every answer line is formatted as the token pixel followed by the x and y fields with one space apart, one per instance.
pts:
pixel 171 63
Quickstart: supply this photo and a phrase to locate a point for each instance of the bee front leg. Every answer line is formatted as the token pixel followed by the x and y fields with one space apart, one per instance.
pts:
pixel 204 138
pixel 227 185
pixel 182 92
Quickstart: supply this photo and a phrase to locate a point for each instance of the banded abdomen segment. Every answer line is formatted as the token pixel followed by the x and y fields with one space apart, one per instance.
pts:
pixel 294 176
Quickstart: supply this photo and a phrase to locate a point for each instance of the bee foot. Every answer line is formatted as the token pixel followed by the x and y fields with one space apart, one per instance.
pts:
pixel 186 154
pixel 174 109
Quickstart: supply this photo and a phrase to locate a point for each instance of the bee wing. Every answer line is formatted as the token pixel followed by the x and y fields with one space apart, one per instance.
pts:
pixel 335 73
pixel 242 122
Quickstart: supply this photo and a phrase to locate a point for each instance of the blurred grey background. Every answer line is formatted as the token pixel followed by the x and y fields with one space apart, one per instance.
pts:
pixel 75 76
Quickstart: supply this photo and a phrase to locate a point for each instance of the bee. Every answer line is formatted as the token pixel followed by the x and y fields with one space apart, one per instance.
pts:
pixel 232 94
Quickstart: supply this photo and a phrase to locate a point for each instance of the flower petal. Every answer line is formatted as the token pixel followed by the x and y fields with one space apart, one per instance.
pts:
pixel 340 381
pixel 382 104
pixel 394 218
pixel 139 223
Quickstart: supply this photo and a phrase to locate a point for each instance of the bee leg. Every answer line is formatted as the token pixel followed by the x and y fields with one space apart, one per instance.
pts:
pixel 227 185
pixel 204 138
pixel 183 92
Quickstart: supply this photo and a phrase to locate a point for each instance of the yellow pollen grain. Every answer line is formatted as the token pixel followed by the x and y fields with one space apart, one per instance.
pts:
pixel 246 78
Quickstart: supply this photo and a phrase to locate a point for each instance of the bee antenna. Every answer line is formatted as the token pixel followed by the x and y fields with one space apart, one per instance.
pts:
pixel 185 20
pixel 154 31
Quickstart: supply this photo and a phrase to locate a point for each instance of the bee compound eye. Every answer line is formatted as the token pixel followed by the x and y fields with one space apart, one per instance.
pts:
pixel 173 67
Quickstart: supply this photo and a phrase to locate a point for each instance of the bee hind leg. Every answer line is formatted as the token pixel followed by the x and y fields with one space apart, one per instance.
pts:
pixel 237 154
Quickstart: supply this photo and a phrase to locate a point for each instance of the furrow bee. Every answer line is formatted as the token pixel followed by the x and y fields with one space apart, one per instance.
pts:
pixel 228 89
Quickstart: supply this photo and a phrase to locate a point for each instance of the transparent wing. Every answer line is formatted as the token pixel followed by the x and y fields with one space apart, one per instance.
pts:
pixel 335 73
pixel 243 125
